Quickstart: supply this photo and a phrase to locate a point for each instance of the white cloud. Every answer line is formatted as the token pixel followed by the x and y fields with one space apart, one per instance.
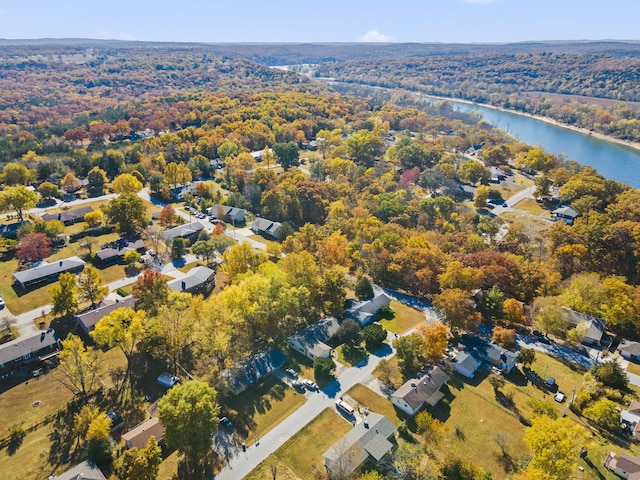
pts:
pixel 374 36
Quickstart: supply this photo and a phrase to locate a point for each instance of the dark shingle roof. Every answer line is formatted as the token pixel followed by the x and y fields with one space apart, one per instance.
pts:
pixel 183 230
pixel 254 368
pixel 90 318
pixel 417 392
pixel 119 248
pixel 75 215
pixel 83 471
pixel 629 346
pixel 27 345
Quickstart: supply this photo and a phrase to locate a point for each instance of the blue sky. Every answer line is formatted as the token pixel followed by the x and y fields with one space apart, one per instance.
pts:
pixel 322 21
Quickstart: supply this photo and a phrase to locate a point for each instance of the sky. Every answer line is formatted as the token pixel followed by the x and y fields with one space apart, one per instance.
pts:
pixel 447 21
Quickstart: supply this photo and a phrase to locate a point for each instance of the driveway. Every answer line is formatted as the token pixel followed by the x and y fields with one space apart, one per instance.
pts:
pixel 558 351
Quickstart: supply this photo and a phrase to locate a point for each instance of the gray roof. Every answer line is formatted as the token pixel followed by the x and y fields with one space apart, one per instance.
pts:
pixel 75 215
pixel 628 463
pixel 183 230
pixel 468 361
pixel 483 350
pixel 565 211
pixel 49 269
pixel 254 368
pixel 89 318
pixel 194 278
pixel 314 337
pixel 262 225
pixel 119 248
pixel 230 213
pixel 595 326
pixel 629 346
pixel 83 471
pixel 27 345
pixel 369 438
pixel 426 389
pixel 365 310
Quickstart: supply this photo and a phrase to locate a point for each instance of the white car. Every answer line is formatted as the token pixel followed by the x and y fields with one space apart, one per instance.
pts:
pixel 559 397
pixel 310 385
pixel 1 302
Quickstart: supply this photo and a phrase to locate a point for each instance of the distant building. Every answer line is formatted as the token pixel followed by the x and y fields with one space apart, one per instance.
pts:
pixel 190 231
pixel 118 249
pixel 256 368
pixel 88 320
pixel 47 272
pixel 178 193
pixel 28 349
pixel 474 352
pixel 233 215
pixel 311 342
pixel 629 349
pixel 196 280
pixel 369 441
pixel 10 230
pixel 364 312
pixel 86 470
pixel 565 213
pixel 467 191
pixel 68 217
pixel 262 226
pixel 415 394
pixel 594 327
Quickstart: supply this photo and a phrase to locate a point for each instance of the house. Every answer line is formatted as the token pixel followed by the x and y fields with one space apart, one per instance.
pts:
pixel 496 175
pixel 565 213
pixel 415 394
pixel 118 249
pixel 86 470
pixel 233 215
pixel 625 466
pixel 467 191
pixel 88 320
pixel 10 230
pixel 594 327
pixel 474 352
pixel 629 349
pixel 248 372
pixel 29 348
pixel 190 231
pixel 631 418
pixel 370 440
pixel 140 435
pixel 197 279
pixel 311 342
pixel 364 312
pixel 178 193
pixel 46 272
pixel 68 217
pixel 262 226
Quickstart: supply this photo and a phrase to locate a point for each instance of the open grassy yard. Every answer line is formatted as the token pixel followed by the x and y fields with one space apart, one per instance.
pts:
pixel 265 240
pixel 633 368
pixel 375 403
pixel 257 411
pixel 404 318
pixel 531 206
pixel 533 226
pixel 31 459
pixel 506 190
pixel 302 454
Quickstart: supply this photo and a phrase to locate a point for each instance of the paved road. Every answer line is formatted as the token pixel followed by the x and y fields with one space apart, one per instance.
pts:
pixel 240 463
pixel 559 351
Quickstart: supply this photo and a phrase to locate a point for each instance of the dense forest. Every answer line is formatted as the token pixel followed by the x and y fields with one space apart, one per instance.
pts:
pixel 380 200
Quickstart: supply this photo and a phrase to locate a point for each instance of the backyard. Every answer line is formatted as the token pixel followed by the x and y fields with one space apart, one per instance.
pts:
pixel 404 318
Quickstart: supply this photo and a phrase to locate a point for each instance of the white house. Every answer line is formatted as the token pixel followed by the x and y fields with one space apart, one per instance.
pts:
pixel 415 394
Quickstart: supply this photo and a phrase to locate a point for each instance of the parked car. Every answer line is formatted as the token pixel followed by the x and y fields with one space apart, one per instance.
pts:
pixel 298 385
pixel 117 422
pixel 226 423
pixel 345 407
pixel 167 380
pixel 310 385
pixel 291 372
pixel 1 302
pixel 559 397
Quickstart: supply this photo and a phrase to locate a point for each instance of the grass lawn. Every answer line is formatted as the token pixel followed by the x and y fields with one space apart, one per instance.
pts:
pixel 263 471
pixel 506 190
pixel 95 205
pixel 31 459
pixel 533 226
pixel 261 239
pixel 375 403
pixel 394 373
pixel 302 453
pixel 633 368
pixel 258 411
pixel 169 466
pixel 404 318
pixel 352 356
pixel 531 206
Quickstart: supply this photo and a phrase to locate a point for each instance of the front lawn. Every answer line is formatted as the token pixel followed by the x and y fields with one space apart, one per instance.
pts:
pixel 404 318
pixel 531 206
pixel 375 403
pixel 633 368
pixel 302 453
pixel 257 411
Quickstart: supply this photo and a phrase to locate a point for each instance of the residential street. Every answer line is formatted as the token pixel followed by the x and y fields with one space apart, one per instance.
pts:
pixel 559 351
pixel 241 463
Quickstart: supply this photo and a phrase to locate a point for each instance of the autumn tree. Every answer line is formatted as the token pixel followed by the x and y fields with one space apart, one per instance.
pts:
pixel 457 276
pixel 177 174
pixel 513 312
pixel 364 147
pixel 436 337
pixel 63 295
pixel 189 414
pixel 168 216
pixel 481 196
pixel 141 464
pixel 410 351
pixel 150 291
pixel 78 368
pixel 240 259
pixel 48 190
pixel 457 309
pixel 19 199
pixel 33 247
pixel 604 413
pixel 126 183
pixel 174 326
pixel 97 179
pixel 70 183
pixel 128 212
pixel 90 286
pixel 94 219
pixel 333 291
pixel 504 337
pixel 547 313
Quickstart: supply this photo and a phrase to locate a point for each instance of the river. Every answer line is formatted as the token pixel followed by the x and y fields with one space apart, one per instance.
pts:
pixel 613 160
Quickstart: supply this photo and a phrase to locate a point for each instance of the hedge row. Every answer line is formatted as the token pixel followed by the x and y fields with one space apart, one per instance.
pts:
pixel 92 232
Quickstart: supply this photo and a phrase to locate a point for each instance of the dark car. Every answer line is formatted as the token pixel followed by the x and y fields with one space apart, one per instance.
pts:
pixel 117 422
pixel 298 385
pixel 225 422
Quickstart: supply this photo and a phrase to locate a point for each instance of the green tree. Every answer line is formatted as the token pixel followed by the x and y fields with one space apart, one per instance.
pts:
pixel 481 196
pixel 604 413
pixel 63 295
pixel 128 212
pixel 323 367
pixel 527 356
pixel 333 290
pixel 547 313
pixel 541 407
pixel 141 464
pixel 189 414
pixel 90 286
pixel 364 289
pixel 492 304
pixel 97 179
pixel 126 183
pixel 150 292
pixel 99 445
pixel 78 368
pixel 179 247
pixel 228 150
pixel 18 198
pixel 15 174
pixel 611 374
pixel 409 350
pixel 374 336
pixel 364 147
pixel 286 154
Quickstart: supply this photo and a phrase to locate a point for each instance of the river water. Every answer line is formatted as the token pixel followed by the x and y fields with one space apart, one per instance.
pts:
pixel 614 161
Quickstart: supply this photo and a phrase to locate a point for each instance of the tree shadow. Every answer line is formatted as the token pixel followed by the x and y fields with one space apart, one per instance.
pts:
pixel 62 436
pixel 189 470
pixel 16 437
pixel 506 461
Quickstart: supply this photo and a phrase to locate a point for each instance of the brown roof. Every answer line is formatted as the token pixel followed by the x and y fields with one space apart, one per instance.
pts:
pixel 140 435
pixel 634 407
pixel 628 463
